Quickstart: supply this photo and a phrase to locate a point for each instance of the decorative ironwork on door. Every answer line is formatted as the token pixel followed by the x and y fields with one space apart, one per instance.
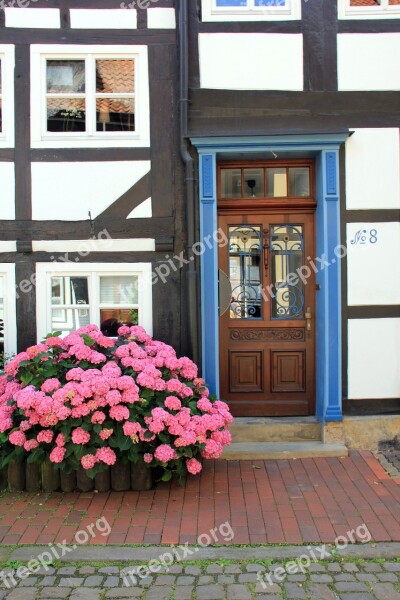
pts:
pixel 245 272
pixel 287 255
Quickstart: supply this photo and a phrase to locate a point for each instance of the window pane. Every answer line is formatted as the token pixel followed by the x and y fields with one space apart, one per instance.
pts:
pixel 364 3
pixel 253 183
pixel 276 182
pixel 245 272
pixel 69 319
pixel 299 181
pixel 281 3
pixel 287 247
pixel 115 76
pixel 119 289
pixel 65 76
pixel 108 316
pixel 231 3
pixel 231 183
pixel 66 114
pixel 69 290
pixel 115 114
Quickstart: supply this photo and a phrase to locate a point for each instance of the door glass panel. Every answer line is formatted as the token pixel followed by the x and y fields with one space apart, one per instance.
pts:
pixel 253 183
pixel 299 181
pixel 287 255
pixel 231 183
pixel 245 272
pixel 276 183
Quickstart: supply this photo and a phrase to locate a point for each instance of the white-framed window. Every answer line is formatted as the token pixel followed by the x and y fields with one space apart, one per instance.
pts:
pixel 368 9
pixel 6 95
pixel 251 10
pixel 88 96
pixel 8 320
pixel 71 296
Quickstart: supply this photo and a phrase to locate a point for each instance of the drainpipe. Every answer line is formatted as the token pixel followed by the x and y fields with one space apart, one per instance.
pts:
pixel 189 183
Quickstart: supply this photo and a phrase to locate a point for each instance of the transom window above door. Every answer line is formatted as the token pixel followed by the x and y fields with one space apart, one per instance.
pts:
pixel 265 181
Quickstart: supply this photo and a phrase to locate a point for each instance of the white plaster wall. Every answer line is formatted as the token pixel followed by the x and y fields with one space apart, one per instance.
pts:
pixel 161 18
pixel 143 211
pixel 6 246
pixel 374 351
pixel 373 169
pixel 85 247
pixel 68 191
pixel 368 61
pixel 82 18
pixel 7 190
pixel 373 273
pixel 42 18
pixel 251 61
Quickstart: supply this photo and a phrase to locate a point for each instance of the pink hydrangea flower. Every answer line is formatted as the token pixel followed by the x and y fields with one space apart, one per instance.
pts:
pixel 98 417
pixel 173 403
pixel 193 466
pixel 50 385
pixel 54 342
pixel 106 455
pixel 131 429
pixel 45 436
pixel 106 433
pixel 165 453
pixel 17 438
pixel 119 412
pixel 80 436
pixel 124 330
pixel 60 440
pixel 57 454
pixel 147 457
pixel 88 461
pixel 30 445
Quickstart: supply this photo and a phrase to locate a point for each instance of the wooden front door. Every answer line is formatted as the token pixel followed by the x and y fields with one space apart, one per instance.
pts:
pixel 267 332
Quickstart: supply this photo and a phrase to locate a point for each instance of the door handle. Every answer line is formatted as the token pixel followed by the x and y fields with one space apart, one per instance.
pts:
pixel 308 317
pixel 266 248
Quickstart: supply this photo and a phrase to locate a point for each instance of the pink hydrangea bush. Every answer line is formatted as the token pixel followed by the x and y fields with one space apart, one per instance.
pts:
pixel 89 400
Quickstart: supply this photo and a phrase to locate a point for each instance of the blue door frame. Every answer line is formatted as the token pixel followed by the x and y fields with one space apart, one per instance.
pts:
pixel 325 149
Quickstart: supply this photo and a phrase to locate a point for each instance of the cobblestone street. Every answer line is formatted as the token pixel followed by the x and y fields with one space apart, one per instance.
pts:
pixel 220 580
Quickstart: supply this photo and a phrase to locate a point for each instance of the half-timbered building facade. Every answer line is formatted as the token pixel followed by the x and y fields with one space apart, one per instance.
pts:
pixel 225 173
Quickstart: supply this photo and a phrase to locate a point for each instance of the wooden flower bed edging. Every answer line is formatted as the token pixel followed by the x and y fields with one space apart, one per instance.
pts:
pixel 121 477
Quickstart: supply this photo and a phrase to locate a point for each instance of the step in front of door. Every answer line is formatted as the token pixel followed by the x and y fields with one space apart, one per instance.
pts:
pixel 278 450
pixel 275 429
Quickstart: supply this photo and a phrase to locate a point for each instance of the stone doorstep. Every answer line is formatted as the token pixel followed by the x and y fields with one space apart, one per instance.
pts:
pixel 277 450
pixel 275 429
pixel 128 554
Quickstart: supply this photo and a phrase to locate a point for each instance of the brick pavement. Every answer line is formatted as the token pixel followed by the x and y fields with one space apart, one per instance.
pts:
pixel 274 502
pixel 221 580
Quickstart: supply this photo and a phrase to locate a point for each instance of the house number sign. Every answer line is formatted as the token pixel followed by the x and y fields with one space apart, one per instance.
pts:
pixel 365 236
